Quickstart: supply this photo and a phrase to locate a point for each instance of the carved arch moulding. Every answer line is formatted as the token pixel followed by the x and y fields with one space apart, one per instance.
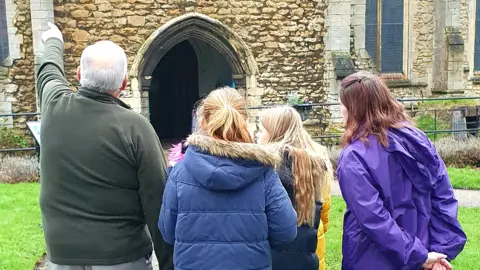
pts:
pixel 198 26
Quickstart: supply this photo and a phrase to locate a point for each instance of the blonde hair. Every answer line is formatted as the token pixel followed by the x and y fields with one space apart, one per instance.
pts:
pixel 223 115
pixel 311 167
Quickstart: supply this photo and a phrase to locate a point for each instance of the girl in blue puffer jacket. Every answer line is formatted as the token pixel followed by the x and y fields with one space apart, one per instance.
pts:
pixel 224 204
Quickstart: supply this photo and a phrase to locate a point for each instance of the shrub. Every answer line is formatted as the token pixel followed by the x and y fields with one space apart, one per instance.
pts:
pixel 14 169
pixel 14 138
pixel 455 153
pixel 459 153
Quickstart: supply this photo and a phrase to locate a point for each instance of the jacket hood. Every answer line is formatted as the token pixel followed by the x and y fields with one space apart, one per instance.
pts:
pixel 417 156
pixel 223 165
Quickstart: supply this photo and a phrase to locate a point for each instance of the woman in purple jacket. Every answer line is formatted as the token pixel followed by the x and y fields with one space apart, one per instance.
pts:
pixel 401 210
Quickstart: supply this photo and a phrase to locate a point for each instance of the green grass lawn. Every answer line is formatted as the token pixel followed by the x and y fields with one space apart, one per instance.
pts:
pixel 21 237
pixel 22 244
pixel 468 259
pixel 334 234
pixel 465 178
pixel 426 122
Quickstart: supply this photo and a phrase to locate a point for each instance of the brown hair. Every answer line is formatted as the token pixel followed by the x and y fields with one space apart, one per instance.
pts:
pixel 371 107
pixel 309 159
pixel 223 115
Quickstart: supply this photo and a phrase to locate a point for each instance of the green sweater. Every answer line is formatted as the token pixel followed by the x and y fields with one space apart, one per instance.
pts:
pixel 102 174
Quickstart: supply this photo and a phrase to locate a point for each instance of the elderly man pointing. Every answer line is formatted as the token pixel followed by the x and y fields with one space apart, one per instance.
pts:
pixel 102 165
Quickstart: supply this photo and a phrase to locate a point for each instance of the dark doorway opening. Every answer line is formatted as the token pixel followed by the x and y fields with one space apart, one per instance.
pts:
pixel 185 74
pixel 473 124
pixel 173 92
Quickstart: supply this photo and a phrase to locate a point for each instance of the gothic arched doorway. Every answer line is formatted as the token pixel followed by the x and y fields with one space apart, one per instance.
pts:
pixel 196 47
pixel 188 72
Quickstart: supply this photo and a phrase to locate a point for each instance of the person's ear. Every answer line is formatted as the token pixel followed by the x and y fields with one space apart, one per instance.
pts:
pixel 124 83
pixel 78 73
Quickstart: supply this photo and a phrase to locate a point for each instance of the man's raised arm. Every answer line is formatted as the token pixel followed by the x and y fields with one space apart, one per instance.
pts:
pixel 51 81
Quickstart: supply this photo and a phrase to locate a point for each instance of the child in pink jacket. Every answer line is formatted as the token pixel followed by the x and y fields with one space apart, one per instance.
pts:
pixel 175 154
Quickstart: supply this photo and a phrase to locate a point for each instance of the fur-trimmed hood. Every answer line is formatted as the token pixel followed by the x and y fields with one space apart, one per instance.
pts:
pixel 222 165
pixel 235 150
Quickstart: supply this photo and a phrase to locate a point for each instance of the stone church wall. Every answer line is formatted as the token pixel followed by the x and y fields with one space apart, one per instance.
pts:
pixel 285 37
pixel 17 80
pixel 293 44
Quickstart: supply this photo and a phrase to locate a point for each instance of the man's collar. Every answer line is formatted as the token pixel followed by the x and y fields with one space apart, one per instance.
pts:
pixel 101 97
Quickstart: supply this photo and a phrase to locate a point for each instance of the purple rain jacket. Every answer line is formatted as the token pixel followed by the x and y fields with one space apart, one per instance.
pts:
pixel 400 203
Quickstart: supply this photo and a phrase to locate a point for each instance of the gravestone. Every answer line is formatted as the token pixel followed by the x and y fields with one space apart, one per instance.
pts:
pixel 459 123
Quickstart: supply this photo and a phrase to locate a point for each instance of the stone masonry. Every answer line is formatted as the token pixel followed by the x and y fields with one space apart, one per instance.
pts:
pixel 467 28
pixel 284 37
pixel 284 46
pixel 16 73
pixel 338 21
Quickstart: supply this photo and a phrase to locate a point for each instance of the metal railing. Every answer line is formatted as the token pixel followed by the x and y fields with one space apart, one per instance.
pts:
pixel 435 129
pixel 439 126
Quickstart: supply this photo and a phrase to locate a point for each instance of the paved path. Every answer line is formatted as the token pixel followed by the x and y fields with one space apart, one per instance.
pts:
pixel 466 198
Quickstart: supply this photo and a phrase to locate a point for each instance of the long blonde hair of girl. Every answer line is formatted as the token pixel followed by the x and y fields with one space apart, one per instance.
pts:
pixel 223 115
pixel 311 167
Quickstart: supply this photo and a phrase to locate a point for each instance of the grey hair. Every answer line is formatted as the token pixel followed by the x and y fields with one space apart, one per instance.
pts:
pixel 103 67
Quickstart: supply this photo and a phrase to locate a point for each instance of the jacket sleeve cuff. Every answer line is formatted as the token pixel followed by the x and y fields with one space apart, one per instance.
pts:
pixel 418 256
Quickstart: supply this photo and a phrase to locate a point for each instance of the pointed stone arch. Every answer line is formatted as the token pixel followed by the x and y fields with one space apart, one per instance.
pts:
pixel 199 26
